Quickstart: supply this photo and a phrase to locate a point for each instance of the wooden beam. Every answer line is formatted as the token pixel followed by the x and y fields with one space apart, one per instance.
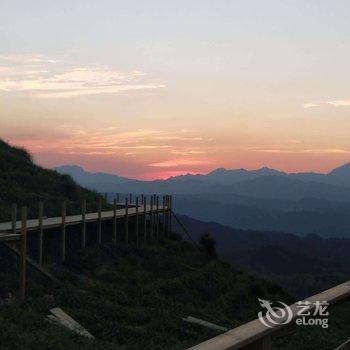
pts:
pixel 157 218
pixel 63 232
pixel 206 324
pixel 41 234
pixel 83 228
pixel 126 221
pixel 151 220
pixel 14 217
pixel 137 222
pixel 256 334
pixel 145 220
pixel 99 223
pixel 114 235
pixel 23 258
pixel 60 317
pixel 164 216
pixel 171 214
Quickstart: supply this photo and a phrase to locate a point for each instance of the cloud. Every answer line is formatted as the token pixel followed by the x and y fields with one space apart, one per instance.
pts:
pixel 40 77
pixel 301 151
pixel 339 103
pixel 310 105
pixel 178 162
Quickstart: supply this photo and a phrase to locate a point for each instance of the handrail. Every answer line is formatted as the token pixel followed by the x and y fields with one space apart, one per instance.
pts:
pixel 254 332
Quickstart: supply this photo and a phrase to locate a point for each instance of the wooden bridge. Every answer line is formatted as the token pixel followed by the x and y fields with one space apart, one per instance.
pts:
pixel 153 209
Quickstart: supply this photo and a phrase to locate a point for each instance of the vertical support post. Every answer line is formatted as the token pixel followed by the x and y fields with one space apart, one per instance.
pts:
pixel 63 233
pixel 163 216
pixel 114 237
pixel 83 218
pixel 171 214
pixel 23 258
pixel 137 222
pixel 145 220
pixel 118 197
pixel 167 216
pixel 142 198
pixel 14 217
pixel 41 233
pixel 130 198
pixel 126 221
pixel 157 218
pixel 99 228
pixel 151 220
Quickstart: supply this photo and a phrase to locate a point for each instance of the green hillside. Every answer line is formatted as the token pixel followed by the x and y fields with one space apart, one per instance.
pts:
pixel 24 183
pixel 128 298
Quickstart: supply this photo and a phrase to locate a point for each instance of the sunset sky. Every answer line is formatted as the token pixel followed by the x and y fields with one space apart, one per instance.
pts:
pixel 151 89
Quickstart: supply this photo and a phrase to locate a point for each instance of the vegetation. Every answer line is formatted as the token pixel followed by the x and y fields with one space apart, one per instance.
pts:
pixel 24 183
pixel 128 298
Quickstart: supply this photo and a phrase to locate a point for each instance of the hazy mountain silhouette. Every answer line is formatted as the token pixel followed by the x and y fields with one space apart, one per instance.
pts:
pixel 263 199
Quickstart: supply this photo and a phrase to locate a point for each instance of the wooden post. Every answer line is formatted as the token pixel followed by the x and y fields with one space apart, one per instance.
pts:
pixel 151 219
pixel 118 197
pixel 163 216
pixel 137 221
pixel 157 218
pixel 99 224
pixel 114 237
pixel 83 217
pixel 142 198
pixel 171 214
pixel 145 220
pixel 126 221
pixel 23 258
pixel 63 234
pixel 130 198
pixel 14 217
pixel 41 233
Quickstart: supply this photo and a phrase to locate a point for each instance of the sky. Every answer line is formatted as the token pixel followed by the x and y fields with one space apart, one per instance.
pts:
pixel 152 89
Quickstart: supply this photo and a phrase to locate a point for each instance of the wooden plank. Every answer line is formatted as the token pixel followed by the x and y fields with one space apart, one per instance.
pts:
pixel 65 320
pixel 83 224
pixel 56 222
pixel 151 219
pixel 63 232
pixel 206 324
pixel 126 221
pixel 99 224
pixel 41 233
pixel 254 331
pixel 114 234
pixel 137 222
pixel 144 220
pixel 344 346
pixel 14 217
pixel 33 264
pixel 23 257
pixel 157 218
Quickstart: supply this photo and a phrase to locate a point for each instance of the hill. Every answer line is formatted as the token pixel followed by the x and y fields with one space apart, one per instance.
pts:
pixel 263 199
pixel 24 183
pixel 303 266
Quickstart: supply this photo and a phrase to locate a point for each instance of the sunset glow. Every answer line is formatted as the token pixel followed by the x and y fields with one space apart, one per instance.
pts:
pixel 158 91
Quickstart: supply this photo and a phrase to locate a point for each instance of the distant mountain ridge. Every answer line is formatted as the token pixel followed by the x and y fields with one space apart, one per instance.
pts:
pixel 218 179
pixel 263 199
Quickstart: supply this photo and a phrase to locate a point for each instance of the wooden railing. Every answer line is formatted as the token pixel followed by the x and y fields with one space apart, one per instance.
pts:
pixel 159 217
pixel 255 335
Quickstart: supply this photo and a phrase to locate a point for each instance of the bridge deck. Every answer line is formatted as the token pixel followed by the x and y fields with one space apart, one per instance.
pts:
pixel 7 234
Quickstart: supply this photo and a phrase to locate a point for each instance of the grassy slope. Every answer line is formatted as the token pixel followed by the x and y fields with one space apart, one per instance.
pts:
pixel 25 183
pixel 136 299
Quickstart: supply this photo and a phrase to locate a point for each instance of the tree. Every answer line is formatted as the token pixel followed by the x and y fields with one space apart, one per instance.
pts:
pixel 208 243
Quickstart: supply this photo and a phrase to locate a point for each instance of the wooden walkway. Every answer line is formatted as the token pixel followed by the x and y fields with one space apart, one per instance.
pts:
pixel 7 228
pixel 157 214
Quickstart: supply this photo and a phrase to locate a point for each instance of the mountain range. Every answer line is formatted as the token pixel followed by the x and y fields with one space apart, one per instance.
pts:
pixel 263 199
